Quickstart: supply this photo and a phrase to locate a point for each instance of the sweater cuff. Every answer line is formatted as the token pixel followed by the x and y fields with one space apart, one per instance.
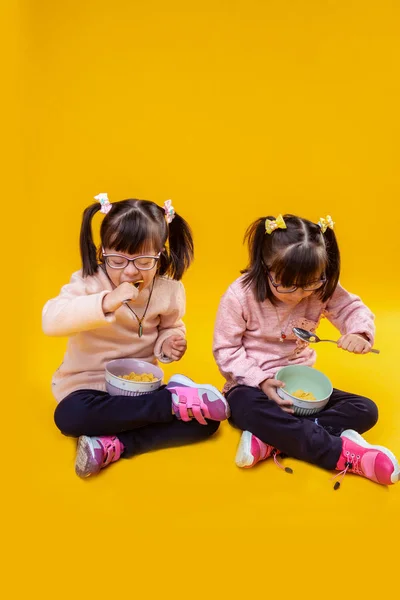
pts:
pixel 158 352
pixel 110 316
pixel 368 335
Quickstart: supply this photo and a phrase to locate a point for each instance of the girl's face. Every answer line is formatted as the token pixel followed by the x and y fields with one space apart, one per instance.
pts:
pixel 120 267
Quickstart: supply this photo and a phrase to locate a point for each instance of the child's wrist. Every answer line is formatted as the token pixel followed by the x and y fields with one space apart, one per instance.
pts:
pixel 104 305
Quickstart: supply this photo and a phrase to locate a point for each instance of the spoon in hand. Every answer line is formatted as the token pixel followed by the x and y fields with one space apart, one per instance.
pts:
pixel 137 285
pixel 308 336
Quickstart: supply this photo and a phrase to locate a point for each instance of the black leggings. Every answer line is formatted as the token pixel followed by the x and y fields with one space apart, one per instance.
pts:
pixel 141 423
pixel 314 439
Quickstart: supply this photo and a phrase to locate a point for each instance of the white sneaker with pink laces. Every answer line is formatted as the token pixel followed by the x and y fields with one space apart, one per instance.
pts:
pixel 376 463
pixel 252 450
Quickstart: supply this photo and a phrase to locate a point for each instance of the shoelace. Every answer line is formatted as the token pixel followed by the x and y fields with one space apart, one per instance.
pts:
pixel 278 464
pixel 352 465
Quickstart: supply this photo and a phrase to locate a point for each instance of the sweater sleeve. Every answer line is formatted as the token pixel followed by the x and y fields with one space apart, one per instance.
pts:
pixel 229 353
pixel 75 310
pixel 349 314
pixel 171 322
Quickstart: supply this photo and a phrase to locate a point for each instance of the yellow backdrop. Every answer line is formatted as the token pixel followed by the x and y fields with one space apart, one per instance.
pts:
pixel 234 110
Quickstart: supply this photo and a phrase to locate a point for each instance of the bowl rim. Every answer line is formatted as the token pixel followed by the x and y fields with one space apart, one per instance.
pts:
pixel 137 360
pixel 132 380
pixel 298 400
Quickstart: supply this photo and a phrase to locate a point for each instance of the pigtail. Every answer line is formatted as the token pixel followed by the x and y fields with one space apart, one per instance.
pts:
pixel 180 247
pixel 87 245
pixel 332 272
pixel 255 272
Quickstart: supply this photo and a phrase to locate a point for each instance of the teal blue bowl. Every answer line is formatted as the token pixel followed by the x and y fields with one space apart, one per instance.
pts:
pixel 308 379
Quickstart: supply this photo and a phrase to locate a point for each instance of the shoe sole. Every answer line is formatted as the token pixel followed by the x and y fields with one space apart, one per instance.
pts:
pixel 244 458
pixel 187 382
pixel 85 458
pixel 352 435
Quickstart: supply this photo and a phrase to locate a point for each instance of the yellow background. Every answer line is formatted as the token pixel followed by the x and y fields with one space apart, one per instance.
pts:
pixel 234 110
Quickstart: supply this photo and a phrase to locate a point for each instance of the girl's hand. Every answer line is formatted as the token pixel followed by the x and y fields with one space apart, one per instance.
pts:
pixel 353 342
pixel 269 388
pixel 115 299
pixel 174 347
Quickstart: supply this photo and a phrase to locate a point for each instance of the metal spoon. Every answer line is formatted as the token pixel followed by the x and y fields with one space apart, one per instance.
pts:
pixel 308 336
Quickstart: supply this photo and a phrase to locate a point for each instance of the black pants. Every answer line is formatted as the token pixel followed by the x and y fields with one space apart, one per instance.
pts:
pixel 314 439
pixel 141 423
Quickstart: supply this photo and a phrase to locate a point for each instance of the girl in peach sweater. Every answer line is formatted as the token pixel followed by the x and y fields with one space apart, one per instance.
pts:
pixel 127 301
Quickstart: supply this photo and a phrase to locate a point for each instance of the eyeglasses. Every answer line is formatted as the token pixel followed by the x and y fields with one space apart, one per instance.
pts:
pixel 142 263
pixel 310 287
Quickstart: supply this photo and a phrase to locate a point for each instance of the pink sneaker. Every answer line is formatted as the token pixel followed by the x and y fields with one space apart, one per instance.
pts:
pixel 373 462
pixel 95 453
pixel 204 400
pixel 252 450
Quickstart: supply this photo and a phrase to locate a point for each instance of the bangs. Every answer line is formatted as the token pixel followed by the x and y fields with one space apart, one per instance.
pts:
pixel 134 236
pixel 300 265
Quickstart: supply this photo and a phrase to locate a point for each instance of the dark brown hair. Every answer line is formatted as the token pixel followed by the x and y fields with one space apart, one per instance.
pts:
pixel 134 226
pixel 296 255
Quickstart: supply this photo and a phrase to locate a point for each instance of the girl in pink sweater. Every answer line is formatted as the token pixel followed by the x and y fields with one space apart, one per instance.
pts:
pixel 292 281
pixel 127 301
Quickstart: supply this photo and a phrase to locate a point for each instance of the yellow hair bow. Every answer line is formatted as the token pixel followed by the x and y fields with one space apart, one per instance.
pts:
pixel 325 223
pixel 270 226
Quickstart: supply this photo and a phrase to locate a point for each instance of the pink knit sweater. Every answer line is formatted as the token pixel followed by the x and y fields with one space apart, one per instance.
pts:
pixel 246 337
pixel 96 338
